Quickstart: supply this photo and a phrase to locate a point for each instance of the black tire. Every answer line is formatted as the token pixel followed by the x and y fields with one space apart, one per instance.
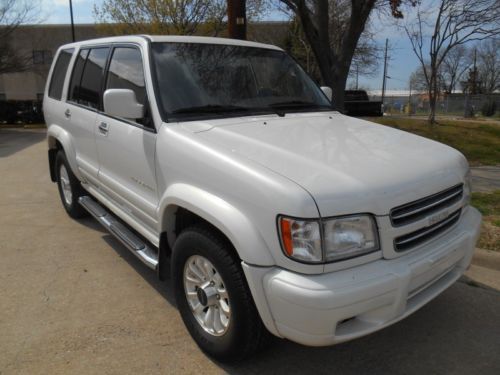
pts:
pixel 72 206
pixel 246 334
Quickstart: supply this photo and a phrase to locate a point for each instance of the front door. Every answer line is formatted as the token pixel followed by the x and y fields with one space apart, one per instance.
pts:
pixel 126 147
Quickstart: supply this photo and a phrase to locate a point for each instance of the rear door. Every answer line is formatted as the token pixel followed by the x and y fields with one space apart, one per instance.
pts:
pixel 126 147
pixel 53 103
pixel 84 101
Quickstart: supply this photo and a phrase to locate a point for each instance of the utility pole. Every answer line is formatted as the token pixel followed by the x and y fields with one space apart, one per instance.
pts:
pixel 237 19
pixel 385 71
pixel 357 76
pixel 72 21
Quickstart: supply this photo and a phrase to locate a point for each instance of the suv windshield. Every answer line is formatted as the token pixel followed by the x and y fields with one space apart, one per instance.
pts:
pixel 216 80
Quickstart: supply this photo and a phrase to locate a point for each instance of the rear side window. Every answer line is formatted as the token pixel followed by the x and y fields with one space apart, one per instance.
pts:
pixel 86 82
pixel 126 72
pixel 59 73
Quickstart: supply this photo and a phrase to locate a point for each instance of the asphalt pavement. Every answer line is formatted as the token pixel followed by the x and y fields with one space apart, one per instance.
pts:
pixel 73 300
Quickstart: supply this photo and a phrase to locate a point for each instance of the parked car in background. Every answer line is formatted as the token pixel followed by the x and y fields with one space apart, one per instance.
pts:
pixel 221 163
pixel 357 103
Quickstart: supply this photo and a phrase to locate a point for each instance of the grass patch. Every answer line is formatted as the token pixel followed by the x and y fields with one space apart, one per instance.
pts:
pixel 489 205
pixel 479 142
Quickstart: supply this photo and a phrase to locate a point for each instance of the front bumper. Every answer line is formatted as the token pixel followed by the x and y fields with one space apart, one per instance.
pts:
pixel 339 306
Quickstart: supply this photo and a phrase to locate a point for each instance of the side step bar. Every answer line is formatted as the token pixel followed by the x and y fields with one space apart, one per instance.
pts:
pixel 142 250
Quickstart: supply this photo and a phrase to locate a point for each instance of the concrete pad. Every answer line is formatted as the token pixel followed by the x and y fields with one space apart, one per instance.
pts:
pixel 73 300
pixel 485 179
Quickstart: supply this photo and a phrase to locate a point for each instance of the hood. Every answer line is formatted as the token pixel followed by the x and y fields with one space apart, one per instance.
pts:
pixel 347 165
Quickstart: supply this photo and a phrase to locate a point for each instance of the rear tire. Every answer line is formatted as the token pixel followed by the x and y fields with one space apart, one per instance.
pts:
pixel 237 332
pixel 69 187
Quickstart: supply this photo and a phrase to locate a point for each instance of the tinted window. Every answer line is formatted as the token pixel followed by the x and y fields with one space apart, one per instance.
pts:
pixel 126 72
pixel 90 87
pixel 87 77
pixel 76 77
pixel 59 73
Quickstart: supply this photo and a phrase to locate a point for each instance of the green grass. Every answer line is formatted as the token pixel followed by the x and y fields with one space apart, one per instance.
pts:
pixel 489 205
pixel 479 142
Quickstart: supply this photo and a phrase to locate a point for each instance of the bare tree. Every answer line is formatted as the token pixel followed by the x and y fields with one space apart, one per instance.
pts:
pixel 12 14
pixel 333 29
pixel 161 17
pixel 178 17
pixel 488 55
pixel 454 65
pixel 450 23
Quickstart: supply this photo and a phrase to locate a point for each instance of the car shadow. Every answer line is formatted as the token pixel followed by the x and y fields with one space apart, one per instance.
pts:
pixel 15 140
pixel 455 333
pixel 162 287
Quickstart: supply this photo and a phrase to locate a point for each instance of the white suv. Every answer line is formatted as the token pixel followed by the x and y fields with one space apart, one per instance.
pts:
pixel 222 163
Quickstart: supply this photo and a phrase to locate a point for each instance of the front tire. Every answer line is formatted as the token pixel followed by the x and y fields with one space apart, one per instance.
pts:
pixel 213 297
pixel 69 187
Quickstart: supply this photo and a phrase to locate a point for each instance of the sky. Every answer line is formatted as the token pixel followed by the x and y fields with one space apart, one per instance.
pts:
pixel 402 60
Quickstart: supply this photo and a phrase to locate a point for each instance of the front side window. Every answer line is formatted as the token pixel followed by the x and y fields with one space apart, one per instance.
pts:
pixel 210 80
pixel 126 72
pixel 59 74
pixel 86 81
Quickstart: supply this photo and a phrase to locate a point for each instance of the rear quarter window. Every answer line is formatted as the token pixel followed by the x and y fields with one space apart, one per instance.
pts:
pixel 59 74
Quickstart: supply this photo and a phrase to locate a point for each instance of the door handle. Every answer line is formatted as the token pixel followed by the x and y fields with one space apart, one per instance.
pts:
pixel 67 113
pixel 103 128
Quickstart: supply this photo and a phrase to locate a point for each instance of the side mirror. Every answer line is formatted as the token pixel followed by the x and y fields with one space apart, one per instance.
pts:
pixel 328 92
pixel 122 103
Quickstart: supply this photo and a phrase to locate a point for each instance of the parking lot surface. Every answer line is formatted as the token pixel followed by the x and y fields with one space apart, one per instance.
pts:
pixel 74 301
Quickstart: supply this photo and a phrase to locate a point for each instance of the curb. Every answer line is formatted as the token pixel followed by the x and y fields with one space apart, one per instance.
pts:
pixel 485 269
pixel 486 259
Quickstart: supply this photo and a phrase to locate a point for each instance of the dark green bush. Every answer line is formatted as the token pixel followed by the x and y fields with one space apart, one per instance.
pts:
pixel 489 108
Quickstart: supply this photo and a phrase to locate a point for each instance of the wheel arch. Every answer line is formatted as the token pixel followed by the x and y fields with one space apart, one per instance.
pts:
pixel 60 139
pixel 183 205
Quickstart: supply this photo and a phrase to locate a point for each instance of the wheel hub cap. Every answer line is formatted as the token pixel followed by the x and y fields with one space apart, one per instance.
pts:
pixel 65 185
pixel 206 295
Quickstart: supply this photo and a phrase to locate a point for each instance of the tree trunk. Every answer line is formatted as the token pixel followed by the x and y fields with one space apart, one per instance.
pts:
pixel 433 93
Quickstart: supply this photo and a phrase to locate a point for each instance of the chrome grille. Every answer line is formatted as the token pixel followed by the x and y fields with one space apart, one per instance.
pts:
pixel 419 236
pixel 421 208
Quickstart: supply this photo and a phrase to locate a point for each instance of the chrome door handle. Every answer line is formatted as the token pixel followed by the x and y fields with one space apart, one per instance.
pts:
pixel 103 128
pixel 67 113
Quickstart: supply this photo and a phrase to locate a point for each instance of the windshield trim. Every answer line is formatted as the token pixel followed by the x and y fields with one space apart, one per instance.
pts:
pixel 176 118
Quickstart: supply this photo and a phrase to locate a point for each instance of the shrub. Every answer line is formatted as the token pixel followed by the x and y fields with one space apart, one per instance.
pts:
pixel 489 108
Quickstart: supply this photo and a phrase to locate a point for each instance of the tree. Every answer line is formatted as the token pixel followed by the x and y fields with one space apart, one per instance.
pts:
pixel 182 17
pixel 333 29
pixel 488 55
pixel 454 65
pixel 451 23
pixel 169 17
pixel 12 14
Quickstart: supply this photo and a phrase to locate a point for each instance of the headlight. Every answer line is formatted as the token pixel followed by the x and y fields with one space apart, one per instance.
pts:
pixel 342 237
pixel 350 236
pixel 301 239
pixel 467 187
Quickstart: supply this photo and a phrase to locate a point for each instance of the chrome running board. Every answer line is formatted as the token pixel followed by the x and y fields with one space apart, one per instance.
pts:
pixel 146 253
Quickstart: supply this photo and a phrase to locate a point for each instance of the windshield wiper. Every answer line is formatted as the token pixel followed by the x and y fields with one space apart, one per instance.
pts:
pixel 297 104
pixel 280 107
pixel 211 108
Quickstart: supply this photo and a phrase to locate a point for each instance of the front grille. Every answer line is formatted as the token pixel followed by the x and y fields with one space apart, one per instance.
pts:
pixel 422 235
pixel 421 208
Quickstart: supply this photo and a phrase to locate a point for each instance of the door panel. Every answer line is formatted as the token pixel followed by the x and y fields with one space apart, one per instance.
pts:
pixel 127 167
pixel 126 147
pixel 83 103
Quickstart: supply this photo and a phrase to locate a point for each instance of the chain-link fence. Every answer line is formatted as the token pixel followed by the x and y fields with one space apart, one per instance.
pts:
pixel 448 105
